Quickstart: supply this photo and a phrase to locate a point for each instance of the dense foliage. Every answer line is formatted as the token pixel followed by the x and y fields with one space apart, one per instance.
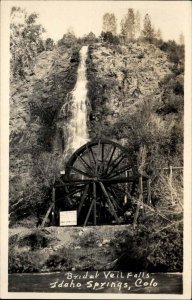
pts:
pixel 25 41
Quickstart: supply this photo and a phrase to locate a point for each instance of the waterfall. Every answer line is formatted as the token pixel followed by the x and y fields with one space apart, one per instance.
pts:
pixel 76 133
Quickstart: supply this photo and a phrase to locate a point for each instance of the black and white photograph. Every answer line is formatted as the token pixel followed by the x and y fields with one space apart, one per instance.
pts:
pixel 96 174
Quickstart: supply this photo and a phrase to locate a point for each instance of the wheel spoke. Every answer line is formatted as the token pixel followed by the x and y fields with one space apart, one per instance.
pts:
pixel 84 163
pixel 109 161
pixel 93 155
pixel 81 172
pixel 89 156
pixel 118 162
pixel 120 171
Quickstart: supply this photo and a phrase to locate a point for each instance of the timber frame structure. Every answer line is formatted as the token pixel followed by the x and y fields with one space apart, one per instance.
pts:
pixel 102 184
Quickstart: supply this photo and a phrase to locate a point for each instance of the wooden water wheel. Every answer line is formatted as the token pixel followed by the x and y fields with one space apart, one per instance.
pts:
pixel 99 183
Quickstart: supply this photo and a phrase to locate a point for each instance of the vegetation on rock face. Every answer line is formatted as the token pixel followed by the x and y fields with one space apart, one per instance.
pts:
pixel 137 97
pixel 25 42
pixel 33 116
pixel 136 91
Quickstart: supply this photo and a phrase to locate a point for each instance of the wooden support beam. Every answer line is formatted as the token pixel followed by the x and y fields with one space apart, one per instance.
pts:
pixel 173 168
pixel 88 214
pixel 126 188
pixel 113 212
pixel 141 194
pixel 115 197
pixel 149 191
pixel 47 214
pixel 82 199
pixel 102 152
pixel 136 214
pixel 53 210
pixel 97 158
pixel 170 183
pixel 94 206
pixel 107 180
pixel 140 202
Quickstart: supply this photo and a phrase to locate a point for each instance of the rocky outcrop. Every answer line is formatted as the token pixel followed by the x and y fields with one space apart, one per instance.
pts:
pixel 121 77
pixel 34 105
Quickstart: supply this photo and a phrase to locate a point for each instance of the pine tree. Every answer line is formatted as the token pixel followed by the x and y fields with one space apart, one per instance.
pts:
pixel 181 39
pixel 110 23
pixel 148 31
pixel 137 24
pixel 159 34
pixel 128 25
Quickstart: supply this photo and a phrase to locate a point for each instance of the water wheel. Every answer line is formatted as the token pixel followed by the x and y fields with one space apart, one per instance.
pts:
pixel 99 183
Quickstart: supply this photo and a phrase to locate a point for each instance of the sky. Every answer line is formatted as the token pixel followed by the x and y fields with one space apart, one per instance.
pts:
pixel 86 16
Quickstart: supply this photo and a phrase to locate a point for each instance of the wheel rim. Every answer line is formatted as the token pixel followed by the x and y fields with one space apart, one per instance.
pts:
pixel 98 178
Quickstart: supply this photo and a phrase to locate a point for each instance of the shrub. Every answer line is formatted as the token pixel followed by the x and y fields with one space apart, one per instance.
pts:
pixel 24 262
pixel 49 44
pixel 68 40
pixel 35 240
pixel 151 251
pixel 109 38
pixel 62 260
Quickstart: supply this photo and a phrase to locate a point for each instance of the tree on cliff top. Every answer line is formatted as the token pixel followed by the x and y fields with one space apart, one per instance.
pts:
pixel 128 25
pixel 110 23
pixel 137 24
pixel 68 39
pixel 89 38
pixel 25 41
pixel 49 44
pixel 181 39
pixel 148 31
pixel 159 34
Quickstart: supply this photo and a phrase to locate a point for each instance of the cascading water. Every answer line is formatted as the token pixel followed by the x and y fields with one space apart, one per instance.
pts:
pixel 76 133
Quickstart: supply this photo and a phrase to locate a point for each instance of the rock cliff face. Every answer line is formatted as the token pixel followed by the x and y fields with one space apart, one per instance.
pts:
pixel 34 105
pixel 120 80
pixel 122 77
